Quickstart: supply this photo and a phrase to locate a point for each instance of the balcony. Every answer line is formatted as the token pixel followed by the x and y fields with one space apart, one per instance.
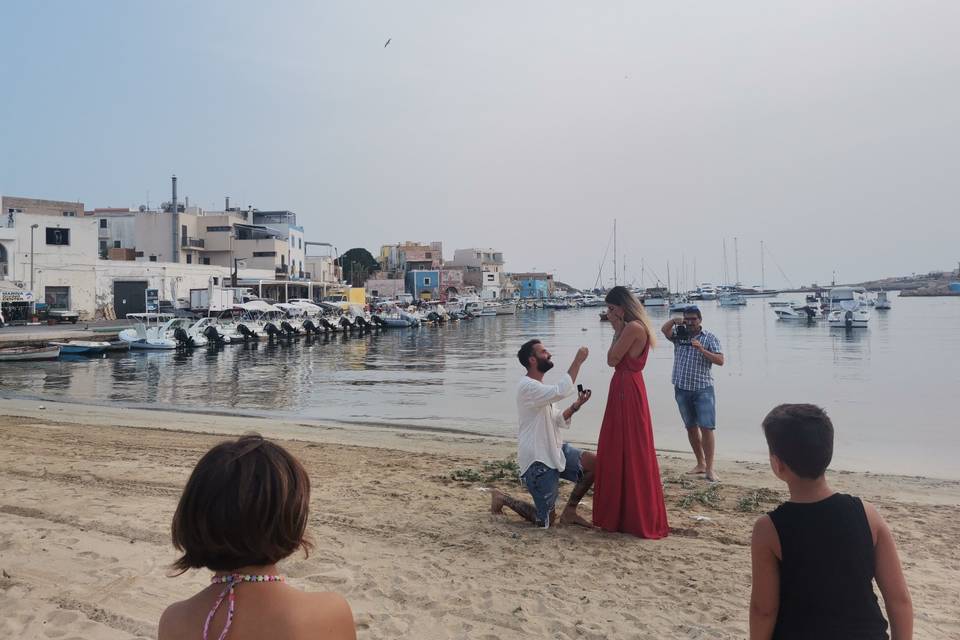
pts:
pixel 196 243
pixel 104 232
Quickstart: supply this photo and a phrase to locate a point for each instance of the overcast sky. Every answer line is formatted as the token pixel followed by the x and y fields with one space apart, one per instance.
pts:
pixel 830 130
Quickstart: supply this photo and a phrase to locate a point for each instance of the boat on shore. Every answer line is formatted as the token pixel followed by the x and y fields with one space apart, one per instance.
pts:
pixel 25 354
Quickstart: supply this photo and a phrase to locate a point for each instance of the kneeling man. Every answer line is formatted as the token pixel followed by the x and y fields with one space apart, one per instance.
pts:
pixel 542 454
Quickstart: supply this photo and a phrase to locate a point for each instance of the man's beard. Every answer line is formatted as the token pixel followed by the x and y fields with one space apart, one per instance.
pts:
pixel 544 365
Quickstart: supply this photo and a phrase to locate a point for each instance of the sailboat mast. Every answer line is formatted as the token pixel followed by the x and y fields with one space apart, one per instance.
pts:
pixel 668 277
pixel 614 252
pixel 736 260
pixel 726 272
pixel 763 282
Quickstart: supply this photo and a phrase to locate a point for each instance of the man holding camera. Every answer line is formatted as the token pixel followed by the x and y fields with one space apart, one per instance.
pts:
pixel 695 351
pixel 542 454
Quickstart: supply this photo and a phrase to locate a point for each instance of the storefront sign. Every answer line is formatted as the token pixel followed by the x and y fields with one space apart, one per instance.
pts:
pixel 15 295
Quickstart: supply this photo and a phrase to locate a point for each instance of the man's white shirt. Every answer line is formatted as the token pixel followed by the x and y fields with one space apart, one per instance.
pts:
pixel 540 422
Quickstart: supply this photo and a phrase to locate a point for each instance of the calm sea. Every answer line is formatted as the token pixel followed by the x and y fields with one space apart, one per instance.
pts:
pixel 889 388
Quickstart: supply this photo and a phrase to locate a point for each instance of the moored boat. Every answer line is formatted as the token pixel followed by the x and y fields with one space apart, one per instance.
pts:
pixel 81 347
pixel 23 354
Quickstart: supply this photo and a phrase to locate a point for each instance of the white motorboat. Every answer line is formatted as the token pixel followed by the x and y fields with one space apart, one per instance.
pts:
pixel 680 303
pixel 706 291
pixel 882 303
pixel 591 300
pixel 506 308
pixel 656 297
pixel 149 331
pixel 798 312
pixel 731 299
pixel 847 310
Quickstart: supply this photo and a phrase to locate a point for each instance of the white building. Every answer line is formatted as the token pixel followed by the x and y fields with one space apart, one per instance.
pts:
pixel 483 269
pixel 49 248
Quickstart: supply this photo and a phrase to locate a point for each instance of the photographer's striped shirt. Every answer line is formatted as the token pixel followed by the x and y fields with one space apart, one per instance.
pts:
pixel 691 369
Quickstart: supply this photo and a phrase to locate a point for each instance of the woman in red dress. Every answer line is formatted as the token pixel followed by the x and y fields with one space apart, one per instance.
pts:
pixel 628 492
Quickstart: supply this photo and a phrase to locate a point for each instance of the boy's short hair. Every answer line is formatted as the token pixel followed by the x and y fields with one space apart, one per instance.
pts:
pixel 526 352
pixel 246 503
pixel 801 435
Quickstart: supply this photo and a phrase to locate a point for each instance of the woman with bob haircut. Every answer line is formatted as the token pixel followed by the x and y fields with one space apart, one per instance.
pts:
pixel 628 492
pixel 243 510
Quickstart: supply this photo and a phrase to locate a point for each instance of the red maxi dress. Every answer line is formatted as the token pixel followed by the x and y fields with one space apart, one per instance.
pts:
pixel 627 490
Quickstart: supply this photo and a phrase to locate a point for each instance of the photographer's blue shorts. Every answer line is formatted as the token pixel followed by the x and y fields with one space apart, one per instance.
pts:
pixel 697 408
pixel 543 482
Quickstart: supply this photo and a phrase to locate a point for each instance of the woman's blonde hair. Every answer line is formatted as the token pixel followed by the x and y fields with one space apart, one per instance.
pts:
pixel 632 310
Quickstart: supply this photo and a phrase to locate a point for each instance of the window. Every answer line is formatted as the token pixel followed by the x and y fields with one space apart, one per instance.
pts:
pixel 428 255
pixel 206 261
pixel 264 254
pixel 138 254
pixel 153 258
pixel 189 258
pixel 69 214
pixel 216 280
pixel 103 223
pixel 58 236
pixel 103 248
pixel 300 243
pixel 116 244
pixel 223 228
pixel 426 281
pixel 57 297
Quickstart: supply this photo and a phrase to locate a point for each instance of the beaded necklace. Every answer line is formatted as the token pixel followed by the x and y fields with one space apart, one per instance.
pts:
pixel 231 580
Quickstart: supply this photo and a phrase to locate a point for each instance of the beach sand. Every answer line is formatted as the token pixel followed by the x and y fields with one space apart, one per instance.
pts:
pixel 87 494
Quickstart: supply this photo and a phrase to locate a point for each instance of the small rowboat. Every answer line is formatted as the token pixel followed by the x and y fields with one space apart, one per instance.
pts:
pixel 81 347
pixel 23 354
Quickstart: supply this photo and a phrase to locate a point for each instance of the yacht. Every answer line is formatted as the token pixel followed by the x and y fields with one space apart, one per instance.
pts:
pixel 847 310
pixel 656 297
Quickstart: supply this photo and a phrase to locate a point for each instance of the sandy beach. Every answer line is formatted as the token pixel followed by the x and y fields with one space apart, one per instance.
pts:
pixel 87 494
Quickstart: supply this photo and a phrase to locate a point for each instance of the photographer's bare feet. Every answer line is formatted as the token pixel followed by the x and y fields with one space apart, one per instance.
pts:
pixel 496 501
pixel 697 470
pixel 711 476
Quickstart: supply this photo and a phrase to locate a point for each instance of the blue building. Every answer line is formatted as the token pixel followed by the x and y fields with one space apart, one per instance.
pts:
pixel 423 284
pixel 533 285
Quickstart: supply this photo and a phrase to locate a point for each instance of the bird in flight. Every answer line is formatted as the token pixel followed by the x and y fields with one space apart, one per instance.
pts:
pixel 387 42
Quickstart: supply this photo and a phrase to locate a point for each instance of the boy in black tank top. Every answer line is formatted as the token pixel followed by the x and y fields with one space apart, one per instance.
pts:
pixel 816 556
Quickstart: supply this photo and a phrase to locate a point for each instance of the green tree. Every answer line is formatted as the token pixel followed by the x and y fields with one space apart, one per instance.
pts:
pixel 357 265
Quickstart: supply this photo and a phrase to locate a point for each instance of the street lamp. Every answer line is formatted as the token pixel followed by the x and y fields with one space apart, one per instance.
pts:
pixel 33 227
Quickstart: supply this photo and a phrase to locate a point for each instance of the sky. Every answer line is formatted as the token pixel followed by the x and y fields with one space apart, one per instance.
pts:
pixel 829 130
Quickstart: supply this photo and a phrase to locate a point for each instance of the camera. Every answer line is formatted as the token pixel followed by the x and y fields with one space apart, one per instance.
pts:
pixel 681 333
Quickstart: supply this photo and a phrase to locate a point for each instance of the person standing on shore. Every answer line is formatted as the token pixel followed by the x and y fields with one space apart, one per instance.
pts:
pixel 695 351
pixel 815 557
pixel 628 495
pixel 543 457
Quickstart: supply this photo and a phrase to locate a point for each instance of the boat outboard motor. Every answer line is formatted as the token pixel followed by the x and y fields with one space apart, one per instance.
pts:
pixel 180 335
pixel 288 328
pixel 327 326
pixel 362 323
pixel 848 319
pixel 309 327
pixel 433 316
pixel 377 320
pixel 272 330
pixel 213 335
pixel 245 331
pixel 346 324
